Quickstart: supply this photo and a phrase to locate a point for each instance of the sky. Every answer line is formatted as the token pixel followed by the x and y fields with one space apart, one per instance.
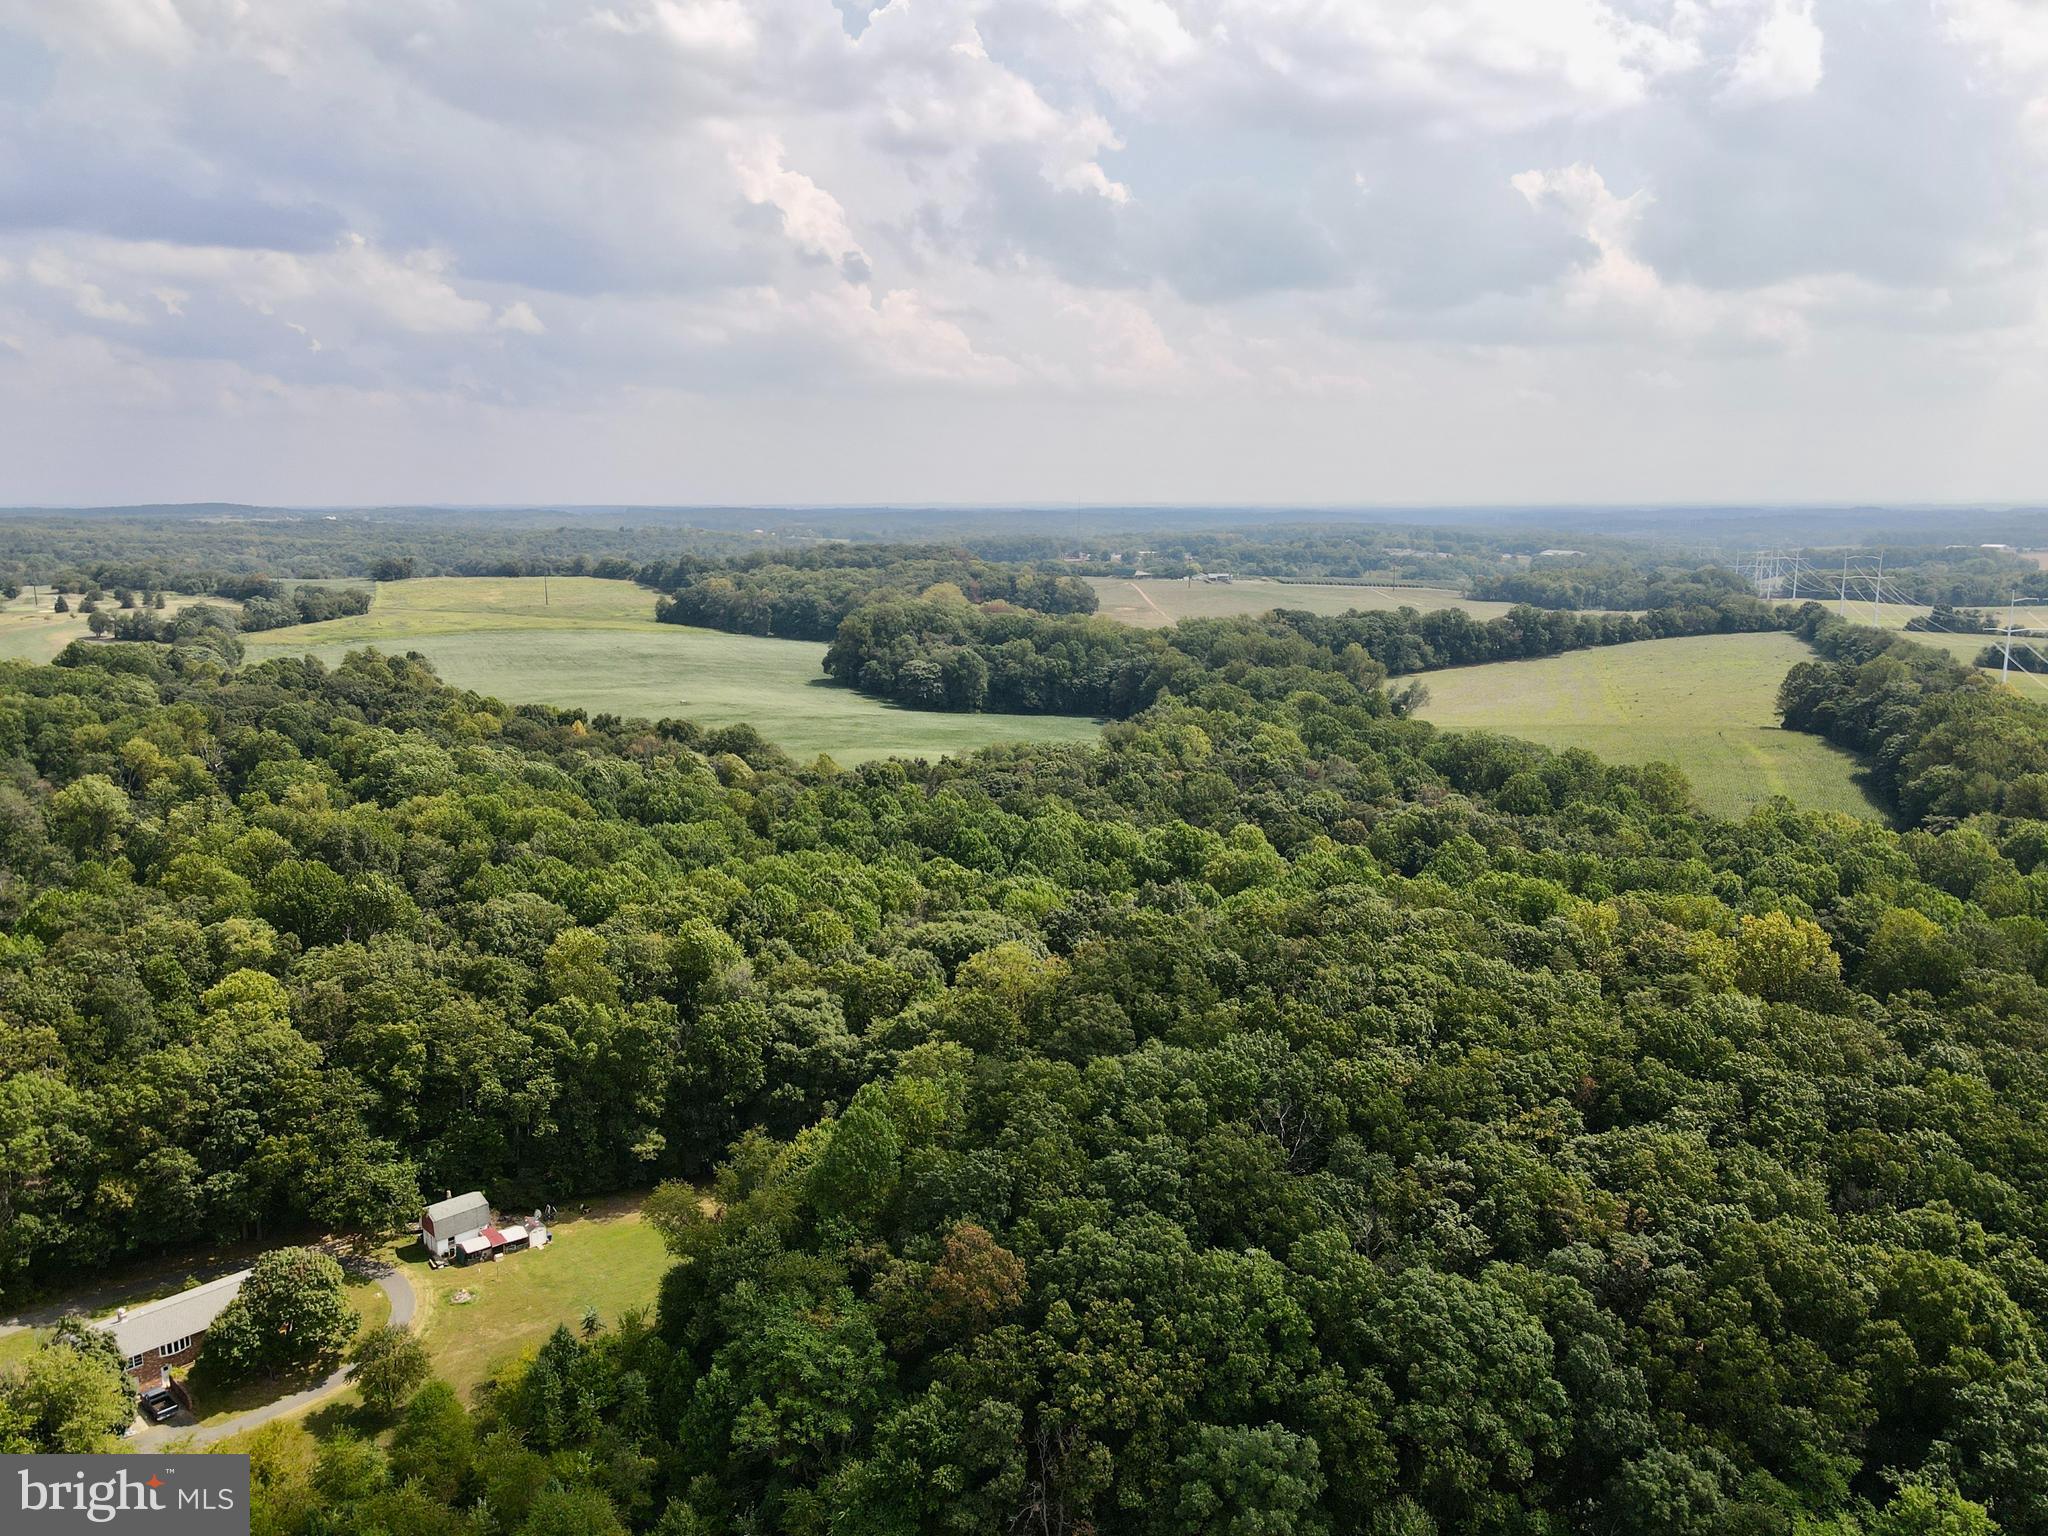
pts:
pixel 990 251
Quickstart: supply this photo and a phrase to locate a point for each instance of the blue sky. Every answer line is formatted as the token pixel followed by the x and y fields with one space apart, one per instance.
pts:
pixel 1044 250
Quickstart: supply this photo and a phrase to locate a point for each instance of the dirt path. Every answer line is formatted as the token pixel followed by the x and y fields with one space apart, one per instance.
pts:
pixel 157 1437
pixel 1146 598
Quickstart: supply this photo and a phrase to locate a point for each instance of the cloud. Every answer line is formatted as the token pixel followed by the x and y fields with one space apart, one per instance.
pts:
pixel 515 217
pixel 811 216
pixel 1619 291
pixel 51 270
pixel 1781 59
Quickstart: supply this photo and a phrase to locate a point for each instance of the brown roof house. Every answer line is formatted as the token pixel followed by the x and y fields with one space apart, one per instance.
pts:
pixel 160 1334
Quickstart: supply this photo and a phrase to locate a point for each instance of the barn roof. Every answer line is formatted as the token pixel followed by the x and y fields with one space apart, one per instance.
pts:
pixel 460 1213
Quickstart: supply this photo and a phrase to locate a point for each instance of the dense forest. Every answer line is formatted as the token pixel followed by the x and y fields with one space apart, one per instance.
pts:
pixel 940 654
pixel 237 550
pixel 1282 1117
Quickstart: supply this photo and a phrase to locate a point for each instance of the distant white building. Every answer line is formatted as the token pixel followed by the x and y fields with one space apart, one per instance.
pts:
pixel 445 1223
pixel 160 1334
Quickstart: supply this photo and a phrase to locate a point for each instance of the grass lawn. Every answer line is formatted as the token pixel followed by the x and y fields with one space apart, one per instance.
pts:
pixel 1706 703
pixel 610 1260
pixel 33 630
pixel 18 1346
pixel 594 645
pixel 1155 604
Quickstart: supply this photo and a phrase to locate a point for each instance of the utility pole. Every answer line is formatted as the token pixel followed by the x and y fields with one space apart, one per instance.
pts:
pixel 1877 594
pixel 2005 671
pixel 543 589
pixel 1844 603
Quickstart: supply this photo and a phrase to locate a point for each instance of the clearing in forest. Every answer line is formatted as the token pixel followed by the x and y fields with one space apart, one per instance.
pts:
pixel 580 643
pixel 1706 703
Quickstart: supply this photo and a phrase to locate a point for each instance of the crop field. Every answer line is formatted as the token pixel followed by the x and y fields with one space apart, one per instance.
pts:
pixel 594 645
pixel 1706 704
pixel 32 630
pixel 1155 604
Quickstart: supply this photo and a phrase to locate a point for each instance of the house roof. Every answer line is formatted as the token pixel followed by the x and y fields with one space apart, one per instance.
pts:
pixel 160 1322
pixel 462 1213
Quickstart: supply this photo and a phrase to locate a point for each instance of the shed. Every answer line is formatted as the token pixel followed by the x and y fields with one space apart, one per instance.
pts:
pixel 445 1221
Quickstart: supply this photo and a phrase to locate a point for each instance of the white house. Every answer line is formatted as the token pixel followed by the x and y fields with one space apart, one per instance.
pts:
pixel 445 1223
pixel 165 1333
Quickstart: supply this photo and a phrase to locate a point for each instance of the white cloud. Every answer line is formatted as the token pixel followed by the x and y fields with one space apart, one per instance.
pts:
pixel 1621 292
pixel 2010 40
pixel 350 210
pixel 811 216
pixel 51 270
pixel 519 316
pixel 1782 58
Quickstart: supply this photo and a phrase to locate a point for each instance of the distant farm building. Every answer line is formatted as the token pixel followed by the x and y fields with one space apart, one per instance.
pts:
pixel 161 1334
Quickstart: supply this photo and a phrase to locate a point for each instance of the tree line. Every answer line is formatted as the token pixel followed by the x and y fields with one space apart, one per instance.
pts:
pixel 809 601
pixel 1942 740
pixel 950 655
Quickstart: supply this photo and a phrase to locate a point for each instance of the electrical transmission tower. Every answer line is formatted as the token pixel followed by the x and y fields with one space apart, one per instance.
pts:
pixel 1777 573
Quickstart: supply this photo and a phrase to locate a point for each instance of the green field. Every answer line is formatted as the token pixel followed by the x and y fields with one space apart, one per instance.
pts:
pixel 593 645
pixel 32 630
pixel 1706 704
pixel 1155 604
pixel 611 1260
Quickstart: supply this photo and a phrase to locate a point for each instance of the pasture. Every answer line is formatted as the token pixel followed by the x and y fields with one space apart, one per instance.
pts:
pixel 32 630
pixel 1707 704
pixel 1156 604
pixel 594 645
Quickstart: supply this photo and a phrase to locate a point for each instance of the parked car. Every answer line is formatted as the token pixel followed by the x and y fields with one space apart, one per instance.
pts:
pixel 158 1406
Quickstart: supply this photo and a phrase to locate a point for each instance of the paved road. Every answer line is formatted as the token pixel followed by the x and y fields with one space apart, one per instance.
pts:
pixel 156 1437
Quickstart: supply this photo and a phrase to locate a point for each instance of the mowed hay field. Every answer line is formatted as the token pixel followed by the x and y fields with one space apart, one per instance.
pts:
pixel 1156 604
pixel 1707 704
pixel 594 645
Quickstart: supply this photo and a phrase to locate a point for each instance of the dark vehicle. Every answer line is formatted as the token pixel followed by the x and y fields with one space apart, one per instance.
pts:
pixel 158 1406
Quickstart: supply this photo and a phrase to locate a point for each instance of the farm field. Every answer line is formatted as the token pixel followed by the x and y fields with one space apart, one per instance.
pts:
pixel 1156 604
pixel 594 645
pixel 32 630
pixel 1706 704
